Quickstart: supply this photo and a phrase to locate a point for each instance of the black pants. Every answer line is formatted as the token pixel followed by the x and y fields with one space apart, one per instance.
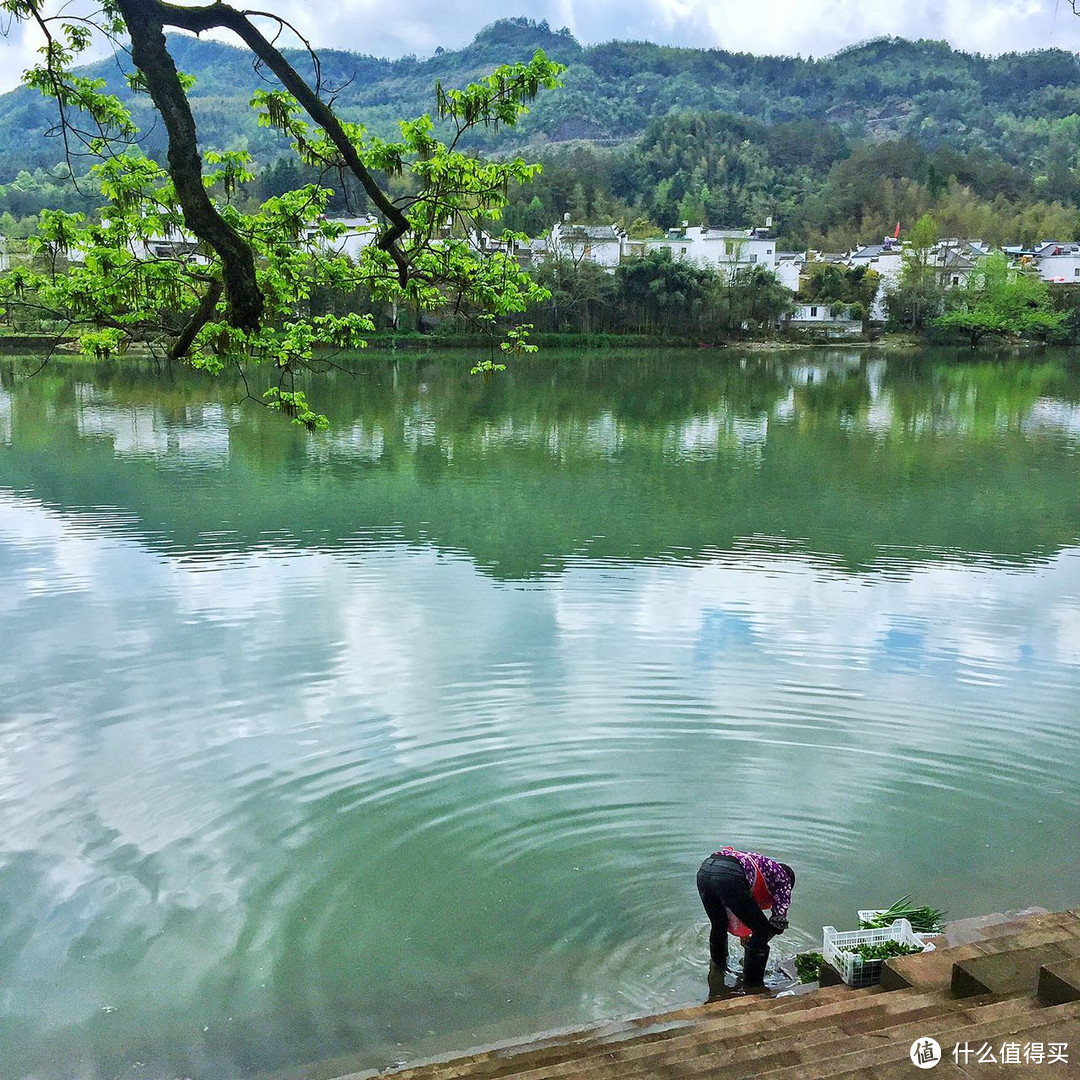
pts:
pixel 722 887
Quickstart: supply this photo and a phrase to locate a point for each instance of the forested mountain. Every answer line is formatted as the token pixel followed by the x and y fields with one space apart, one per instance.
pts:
pixel 834 150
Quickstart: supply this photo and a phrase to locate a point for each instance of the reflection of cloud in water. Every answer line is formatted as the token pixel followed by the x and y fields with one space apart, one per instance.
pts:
pixel 35 557
pixel 5 417
pixel 705 437
pixel 201 438
pixel 979 615
pixel 721 631
pixel 207 760
pixel 1050 415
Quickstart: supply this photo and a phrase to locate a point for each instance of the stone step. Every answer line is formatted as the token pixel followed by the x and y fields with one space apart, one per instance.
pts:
pixel 1035 930
pixel 1060 982
pixel 1015 971
pixel 761 1051
pixel 1059 1030
pixel 508 1059
pixel 1051 920
pixel 926 970
pixel 771 1015
pixel 775 1034
pixel 789 1024
pixel 860 1052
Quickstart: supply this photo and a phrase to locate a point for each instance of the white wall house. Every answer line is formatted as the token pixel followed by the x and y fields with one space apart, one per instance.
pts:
pixel 887 259
pixel 1057 262
pixel 598 244
pixel 818 315
pixel 177 245
pixel 788 269
pixel 954 259
pixel 359 233
pixel 725 250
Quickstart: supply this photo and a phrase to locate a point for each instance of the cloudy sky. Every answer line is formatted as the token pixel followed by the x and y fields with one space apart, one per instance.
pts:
pixel 813 27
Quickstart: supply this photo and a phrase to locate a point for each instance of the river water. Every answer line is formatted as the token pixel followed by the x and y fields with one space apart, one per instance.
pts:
pixel 410 735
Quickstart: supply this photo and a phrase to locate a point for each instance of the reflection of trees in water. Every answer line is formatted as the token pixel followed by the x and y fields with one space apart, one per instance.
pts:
pixel 622 456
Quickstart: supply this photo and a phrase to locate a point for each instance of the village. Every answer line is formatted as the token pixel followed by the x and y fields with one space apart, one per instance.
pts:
pixel 729 253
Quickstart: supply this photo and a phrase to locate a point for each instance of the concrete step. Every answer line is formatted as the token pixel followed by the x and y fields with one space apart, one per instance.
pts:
pixel 1060 982
pixel 509 1059
pixel 931 969
pixel 763 1052
pixel 1015 971
pixel 893 1044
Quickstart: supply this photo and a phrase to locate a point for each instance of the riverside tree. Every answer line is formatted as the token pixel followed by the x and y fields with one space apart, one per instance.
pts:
pixel 1002 300
pixel 236 297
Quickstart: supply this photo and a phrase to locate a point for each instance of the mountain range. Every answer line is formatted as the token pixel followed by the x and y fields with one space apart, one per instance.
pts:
pixel 883 88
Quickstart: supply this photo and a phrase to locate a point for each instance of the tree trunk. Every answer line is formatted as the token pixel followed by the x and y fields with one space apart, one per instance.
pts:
pixel 151 56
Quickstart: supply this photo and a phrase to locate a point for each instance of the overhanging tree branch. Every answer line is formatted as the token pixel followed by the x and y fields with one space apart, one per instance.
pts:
pixel 220 16
pixel 151 55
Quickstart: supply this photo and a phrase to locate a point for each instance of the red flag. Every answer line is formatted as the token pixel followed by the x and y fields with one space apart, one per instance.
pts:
pixel 896 235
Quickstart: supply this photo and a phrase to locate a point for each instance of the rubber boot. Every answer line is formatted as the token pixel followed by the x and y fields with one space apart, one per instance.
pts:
pixel 718 987
pixel 754 963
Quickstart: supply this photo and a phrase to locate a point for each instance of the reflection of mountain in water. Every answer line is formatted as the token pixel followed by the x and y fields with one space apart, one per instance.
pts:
pixel 849 456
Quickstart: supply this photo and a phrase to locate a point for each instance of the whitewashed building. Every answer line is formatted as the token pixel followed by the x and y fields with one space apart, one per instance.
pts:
pixel 821 315
pixel 724 250
pixel 1057 261
pixel 358 233
pixel 788 268
pixel 887 260
pixel 954 259
pixel 598 244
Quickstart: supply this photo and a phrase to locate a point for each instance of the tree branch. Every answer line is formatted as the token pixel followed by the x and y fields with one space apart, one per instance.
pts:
pixel 150 53
pixel 199 318
pixel 222 16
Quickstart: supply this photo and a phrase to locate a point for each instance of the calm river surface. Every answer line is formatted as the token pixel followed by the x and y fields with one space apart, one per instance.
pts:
pixel 410 735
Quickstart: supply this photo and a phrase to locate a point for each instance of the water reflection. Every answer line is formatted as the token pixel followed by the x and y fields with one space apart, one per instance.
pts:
pixel 327 746
pixel 852 457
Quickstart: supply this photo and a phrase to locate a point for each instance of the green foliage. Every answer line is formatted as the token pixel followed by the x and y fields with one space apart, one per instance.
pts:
pixel 662 293
pixel 919 295
pixel 99 275
pixel 833 283
pixel 1001 300
pixel 883 950
pixel 753 298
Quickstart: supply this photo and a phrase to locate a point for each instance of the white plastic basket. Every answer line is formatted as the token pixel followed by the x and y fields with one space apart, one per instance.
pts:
pixel 854 970
pixel 866 914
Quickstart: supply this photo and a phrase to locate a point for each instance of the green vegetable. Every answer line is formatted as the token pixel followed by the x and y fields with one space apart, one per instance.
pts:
pixel 924 920
pixel 882 950
pixel 808 966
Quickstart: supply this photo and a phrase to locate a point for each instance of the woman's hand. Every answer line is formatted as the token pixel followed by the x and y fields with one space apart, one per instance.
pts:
pixel 778 922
